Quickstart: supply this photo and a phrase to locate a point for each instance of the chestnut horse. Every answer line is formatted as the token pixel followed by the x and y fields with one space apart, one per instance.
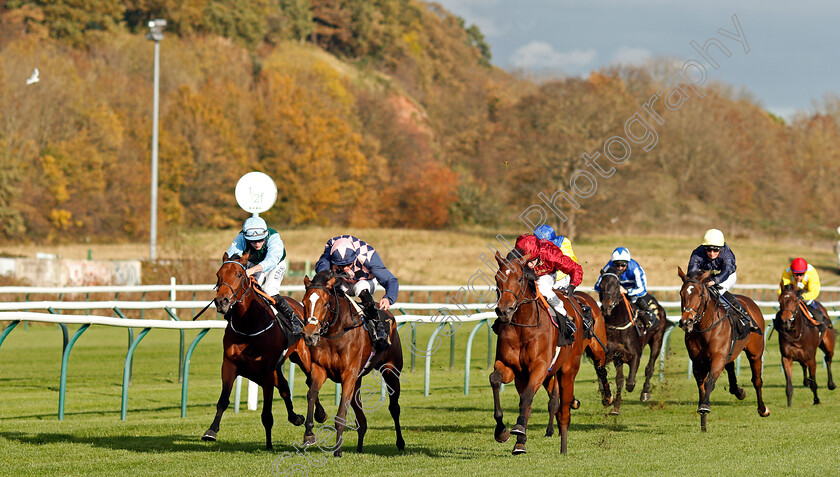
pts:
pixel 525 351
pixel 799 338
pixel 627 338
pixel 709 339
pixel 254 345
pixel 341 351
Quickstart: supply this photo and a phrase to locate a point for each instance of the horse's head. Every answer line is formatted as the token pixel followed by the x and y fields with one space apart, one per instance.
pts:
pixel 610 294
pixel 694 298
pixel 512 281
pixel 320 305
pixel 231 282
pixel 788 301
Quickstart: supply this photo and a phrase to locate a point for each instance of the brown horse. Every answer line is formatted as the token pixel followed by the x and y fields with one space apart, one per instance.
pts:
pixel 525 351
pixel 341 351
pixel 254 345
pixel 627 338
pixel 709 338
pixel 799 338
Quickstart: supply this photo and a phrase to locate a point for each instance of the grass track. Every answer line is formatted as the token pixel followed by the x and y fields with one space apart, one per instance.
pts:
pixel 446 433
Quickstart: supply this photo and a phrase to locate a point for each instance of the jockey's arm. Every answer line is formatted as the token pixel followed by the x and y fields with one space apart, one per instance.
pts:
pixel 812 287
pixel 386 279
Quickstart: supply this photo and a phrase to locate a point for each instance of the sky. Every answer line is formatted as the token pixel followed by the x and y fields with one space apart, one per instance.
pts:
pixel 791 63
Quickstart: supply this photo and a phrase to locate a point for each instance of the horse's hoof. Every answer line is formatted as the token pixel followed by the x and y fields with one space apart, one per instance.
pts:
pixel 519 449
pixel 631 387
pixel 645 397
pixel 703 409
pixel 606 400
pixel 832 386
pixel 765 413
pixel 320 415
pixel 209 436
pixel 296 419
pixel 614 412
pixel 309 439
pixel 503 436
pixel 400 444
pixel 805 383
pixel 337 453
pixel 741 394
pixel 575 404
pixel 816 401
pixel 269 447
pixel 518 430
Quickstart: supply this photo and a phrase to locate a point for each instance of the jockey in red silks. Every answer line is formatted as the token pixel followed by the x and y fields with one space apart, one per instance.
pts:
pixel 545 260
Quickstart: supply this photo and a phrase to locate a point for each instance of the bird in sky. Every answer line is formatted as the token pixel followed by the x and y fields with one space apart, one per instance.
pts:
pixel 34 77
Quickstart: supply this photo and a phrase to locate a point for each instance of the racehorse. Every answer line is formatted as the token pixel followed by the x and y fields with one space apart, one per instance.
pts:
pixel 342 351
pixel 254 345
pixel 710 340
pixel 627 338
pixel 525 351
pixel 799 338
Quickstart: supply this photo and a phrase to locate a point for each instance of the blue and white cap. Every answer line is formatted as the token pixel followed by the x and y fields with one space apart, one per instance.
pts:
pixel 255 229
pixel 621 254
pixel 342 252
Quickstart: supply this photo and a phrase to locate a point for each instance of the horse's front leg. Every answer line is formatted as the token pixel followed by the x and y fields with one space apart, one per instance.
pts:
pixel 619 384
pixel 283 387
pixel 361 420
pixel 827 346
pixel 812 373
pixel 787 366
pixel 633 364
pixel 228 377
pixel 701 371
pixel 501 374
pixel 655 348
pixel 527 390
pixel 268 398
pixel 734 389
pixel 553 391
pixel 348 378
pixel 316 380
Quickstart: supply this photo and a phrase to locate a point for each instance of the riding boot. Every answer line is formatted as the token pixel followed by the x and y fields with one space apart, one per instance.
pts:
pixel 381 339
pixel 740 313
pixel 566 335
pixel 286 311
pixel 821 319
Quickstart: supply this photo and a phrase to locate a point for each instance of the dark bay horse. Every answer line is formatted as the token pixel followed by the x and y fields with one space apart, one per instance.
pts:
pixel 799 338
pixel 709 340
pixel 341 350
pixel 525 351
pixel 627 338
pixel 254 345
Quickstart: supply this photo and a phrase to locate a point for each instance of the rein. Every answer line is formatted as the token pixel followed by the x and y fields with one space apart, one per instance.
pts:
pixel 525 301
pixel 799 308
pixel 703 306
pixel 245 291
pixel 631 321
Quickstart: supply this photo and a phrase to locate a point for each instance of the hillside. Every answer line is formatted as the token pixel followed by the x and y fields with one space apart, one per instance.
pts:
pixel 375 114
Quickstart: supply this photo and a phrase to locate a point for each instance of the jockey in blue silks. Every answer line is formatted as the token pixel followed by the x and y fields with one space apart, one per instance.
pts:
pixel 632 278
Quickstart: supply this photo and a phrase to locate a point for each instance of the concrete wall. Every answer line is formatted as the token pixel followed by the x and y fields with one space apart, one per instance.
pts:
pixel 60 272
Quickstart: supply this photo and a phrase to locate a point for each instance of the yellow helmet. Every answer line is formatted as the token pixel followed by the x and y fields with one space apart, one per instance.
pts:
pixel 713 237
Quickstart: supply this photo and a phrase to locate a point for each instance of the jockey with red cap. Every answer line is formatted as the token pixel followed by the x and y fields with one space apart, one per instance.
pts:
pixel 359 264
pixel 807 282
pixel 545 260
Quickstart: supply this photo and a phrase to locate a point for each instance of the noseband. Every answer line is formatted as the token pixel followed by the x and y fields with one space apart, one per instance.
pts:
pixel 701 311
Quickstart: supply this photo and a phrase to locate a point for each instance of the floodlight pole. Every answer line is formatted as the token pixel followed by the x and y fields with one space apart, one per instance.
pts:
pixel 155 35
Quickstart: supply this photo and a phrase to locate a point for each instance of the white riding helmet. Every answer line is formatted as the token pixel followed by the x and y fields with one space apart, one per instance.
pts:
pixel 621 254
pixel 713 237
pixel 255 229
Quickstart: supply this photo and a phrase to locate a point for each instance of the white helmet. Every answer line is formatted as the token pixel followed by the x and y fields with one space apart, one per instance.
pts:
pixel 255 229
pixel 621 254
pixel 713 237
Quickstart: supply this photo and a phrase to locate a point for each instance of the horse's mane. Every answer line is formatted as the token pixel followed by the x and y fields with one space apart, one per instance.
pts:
pixel 612 270
pixel 790 287
pixel 321 278
pixel 695 275
pixel 530 276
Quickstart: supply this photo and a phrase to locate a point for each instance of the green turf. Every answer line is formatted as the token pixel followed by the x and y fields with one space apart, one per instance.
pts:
pixel 446 433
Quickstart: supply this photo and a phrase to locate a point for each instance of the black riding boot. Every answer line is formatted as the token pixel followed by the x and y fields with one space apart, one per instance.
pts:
pixel 381 330
pixel 567 329
pixel 741 313
pixel 286 311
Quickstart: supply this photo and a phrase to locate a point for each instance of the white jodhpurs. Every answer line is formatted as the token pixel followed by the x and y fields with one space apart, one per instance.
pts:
pixel 727 284
pixel 546 285
pixel 354 289
pixel 562 282
pixel 270 281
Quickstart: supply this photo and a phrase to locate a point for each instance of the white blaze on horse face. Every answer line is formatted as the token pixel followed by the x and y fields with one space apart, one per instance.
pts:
pixel 507 272
pixel 688 290
pixel 313 298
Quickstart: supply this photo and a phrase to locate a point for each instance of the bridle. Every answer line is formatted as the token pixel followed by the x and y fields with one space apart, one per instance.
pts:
pixel 613 296
pixel 791 320
pixel 332 307
pixel 614 301
pixel 244 290
pixel 701 311
pixel 519 298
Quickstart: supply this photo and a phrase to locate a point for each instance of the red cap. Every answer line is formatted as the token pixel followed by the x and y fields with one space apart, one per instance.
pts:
pixel 798 265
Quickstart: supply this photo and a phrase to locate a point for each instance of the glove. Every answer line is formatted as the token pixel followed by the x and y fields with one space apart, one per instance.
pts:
pixel 570 290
